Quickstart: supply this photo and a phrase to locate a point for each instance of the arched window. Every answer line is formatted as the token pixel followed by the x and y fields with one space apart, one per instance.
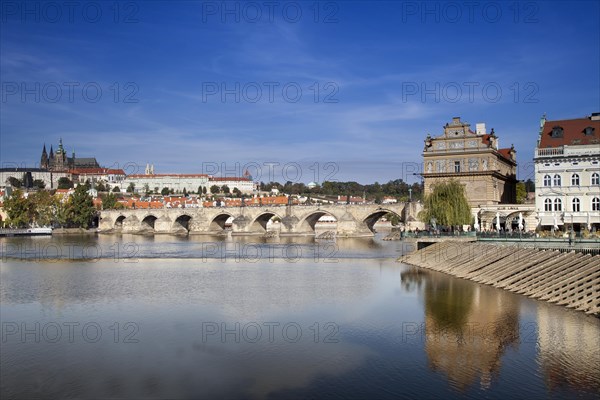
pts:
pixel 547 205
pixel 556 180
pixel 557 205
pixel 576 205
pixel 595 204
pixel 575 180
pixel 547 181
pixel 595 179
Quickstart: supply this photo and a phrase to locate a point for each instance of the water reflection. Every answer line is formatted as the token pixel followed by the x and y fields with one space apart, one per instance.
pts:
pixel 467 327
pixel 464 349
pixel 569 350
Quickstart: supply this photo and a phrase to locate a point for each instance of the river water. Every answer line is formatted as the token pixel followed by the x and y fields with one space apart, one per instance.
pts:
pixel 189 317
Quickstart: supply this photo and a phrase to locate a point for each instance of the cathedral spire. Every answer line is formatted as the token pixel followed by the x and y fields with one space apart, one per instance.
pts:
pixel 44 158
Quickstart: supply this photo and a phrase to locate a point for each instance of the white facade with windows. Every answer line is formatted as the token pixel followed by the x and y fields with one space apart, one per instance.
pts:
pixel 567 170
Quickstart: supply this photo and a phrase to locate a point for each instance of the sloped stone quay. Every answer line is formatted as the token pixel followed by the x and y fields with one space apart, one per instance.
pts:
pixel 568 279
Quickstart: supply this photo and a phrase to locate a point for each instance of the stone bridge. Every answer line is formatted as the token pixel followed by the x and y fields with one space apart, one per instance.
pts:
pixel 352 220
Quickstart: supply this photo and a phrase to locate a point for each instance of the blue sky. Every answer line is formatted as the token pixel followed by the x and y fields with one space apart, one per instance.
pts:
pixel 210 86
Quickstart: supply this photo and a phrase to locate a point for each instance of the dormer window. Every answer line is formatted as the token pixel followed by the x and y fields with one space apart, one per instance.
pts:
pixel 589 131
pixel 557 132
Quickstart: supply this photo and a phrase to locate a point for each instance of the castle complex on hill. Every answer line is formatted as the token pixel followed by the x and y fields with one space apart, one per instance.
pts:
pixel 60 162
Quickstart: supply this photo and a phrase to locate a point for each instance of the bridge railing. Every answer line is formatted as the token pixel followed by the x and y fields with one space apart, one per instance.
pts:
pixel 574 236
pixel 436 234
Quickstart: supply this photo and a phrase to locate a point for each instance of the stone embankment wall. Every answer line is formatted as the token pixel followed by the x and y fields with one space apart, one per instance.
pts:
pixel 568 279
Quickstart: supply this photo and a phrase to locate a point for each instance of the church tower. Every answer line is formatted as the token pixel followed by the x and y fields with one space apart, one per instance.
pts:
pixel 44 159
pixel 60 158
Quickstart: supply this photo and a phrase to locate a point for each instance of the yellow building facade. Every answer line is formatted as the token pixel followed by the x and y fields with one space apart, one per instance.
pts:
pixel 475 160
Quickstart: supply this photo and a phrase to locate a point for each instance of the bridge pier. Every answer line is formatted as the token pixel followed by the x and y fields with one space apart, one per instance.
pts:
pixel 163 224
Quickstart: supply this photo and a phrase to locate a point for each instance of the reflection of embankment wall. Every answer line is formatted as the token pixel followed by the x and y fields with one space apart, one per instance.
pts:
pixel 568 279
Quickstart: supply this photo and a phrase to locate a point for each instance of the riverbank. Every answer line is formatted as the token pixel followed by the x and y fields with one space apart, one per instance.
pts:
pixel 568 279
pixel 74 231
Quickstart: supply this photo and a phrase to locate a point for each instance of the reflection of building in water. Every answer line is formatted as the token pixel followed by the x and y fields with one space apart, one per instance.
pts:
pixel 467 329
pixel 569 350
pixel 413 278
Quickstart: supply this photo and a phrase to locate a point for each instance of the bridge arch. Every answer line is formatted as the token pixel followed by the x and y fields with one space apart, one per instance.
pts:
pixel 219 221
pixel 118 225
pixel 182 223
pixel 375 216
pixel 259 224
pixel 308 223
pixel 148 222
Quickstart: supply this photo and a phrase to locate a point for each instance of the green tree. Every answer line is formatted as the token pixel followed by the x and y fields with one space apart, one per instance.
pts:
pixel 44 207
pixel 237 192
pixel 225 189
pixel 184 192
pixel 39 184
pixel 146 189
pixel 521 192
pixel 393 218
pixel 448 204
pixel 19 209
pixel 164 191
pixel 62 214
pixel 81 207
pixel 131 188
pixel 109 201
pixel 529 185
pixel 204 191
pixel 14 182
pixel 100 186
pixel 214 189
pixel 116 189
pixel 64 183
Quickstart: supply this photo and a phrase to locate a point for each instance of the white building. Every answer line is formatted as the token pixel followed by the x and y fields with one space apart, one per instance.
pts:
pixel 245 185
pixel 157 182
pixel 178 182
pixel 567 173
pixel 107 175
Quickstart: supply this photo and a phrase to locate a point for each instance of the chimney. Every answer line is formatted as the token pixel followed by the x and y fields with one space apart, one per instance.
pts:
pixel 480 128
pixel 595 116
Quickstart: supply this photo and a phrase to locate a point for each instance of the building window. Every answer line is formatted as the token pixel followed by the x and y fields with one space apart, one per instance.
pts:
pixel 456 166
pixel 595 204
pixel 575 180
pixel 576 205
pixel 595 179
pixel 547 181
pixel 557 132
pixel 473 164
pixel 556 180
pixel 547 205
pixel 557 205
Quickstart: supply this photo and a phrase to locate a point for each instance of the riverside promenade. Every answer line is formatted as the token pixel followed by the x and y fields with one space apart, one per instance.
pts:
pixel 570 279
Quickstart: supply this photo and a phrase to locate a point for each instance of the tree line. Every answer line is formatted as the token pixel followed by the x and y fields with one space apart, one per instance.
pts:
pixel 43 209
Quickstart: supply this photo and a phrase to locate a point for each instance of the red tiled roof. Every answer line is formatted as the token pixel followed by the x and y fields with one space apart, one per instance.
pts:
pixel 505 153
pixel 221 179
pixel 167 176
pixel 485 139
pixel 573 133
pixel 97 171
